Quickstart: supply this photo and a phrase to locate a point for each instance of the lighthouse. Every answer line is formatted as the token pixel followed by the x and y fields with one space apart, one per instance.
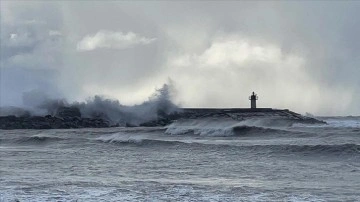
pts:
pixel 253 99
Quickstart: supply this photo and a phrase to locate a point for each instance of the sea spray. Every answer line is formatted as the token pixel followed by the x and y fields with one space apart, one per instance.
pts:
pixel 98 107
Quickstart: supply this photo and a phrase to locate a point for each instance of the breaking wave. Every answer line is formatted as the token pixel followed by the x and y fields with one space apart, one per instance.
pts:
pixel 222 128
pixel 321 149
pixel 243 130
pixel 158 105
pixel 341 122
pixel 233 143
pixel 118 138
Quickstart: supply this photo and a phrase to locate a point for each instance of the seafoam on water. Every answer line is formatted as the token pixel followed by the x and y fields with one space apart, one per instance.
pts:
pixel 189 160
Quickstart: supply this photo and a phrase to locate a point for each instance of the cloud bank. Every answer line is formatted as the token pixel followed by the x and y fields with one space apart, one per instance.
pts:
pixel 298 55
pixel 233 65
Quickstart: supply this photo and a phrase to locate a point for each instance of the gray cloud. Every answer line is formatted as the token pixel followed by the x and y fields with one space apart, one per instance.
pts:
pixel 31 54
pixel 298 55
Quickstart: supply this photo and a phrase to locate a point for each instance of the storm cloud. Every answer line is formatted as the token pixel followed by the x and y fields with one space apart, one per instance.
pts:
pixel 304 56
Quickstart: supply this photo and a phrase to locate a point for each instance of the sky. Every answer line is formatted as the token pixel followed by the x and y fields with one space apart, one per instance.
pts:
pixel 299 55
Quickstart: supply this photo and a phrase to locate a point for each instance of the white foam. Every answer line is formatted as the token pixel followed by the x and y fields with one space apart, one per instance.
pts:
pixel 216 126
pixel 351 123
pixel 122 138
pixel 202 127
pixel 335 123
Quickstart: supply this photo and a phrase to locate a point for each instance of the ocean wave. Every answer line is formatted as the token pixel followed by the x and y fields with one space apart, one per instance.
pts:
pixel 118 138
pixel 321 149
pixel 309 149
pixel 222 128
pixel 343 123
pixel 244 130
pixel 36 139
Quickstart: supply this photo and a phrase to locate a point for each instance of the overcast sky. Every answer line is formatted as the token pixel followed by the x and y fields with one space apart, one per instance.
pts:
pixel 304 56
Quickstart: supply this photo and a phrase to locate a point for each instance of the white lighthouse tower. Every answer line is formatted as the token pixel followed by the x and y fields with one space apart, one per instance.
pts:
pixel 253 99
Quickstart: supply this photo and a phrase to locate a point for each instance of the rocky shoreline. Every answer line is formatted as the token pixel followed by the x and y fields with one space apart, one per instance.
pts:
pixel 50 122
pixel 66 117
pixel 70 117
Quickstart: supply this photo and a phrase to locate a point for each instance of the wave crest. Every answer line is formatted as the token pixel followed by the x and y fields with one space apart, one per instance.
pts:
pixel 118 138
pixel 321 149
pixel 220 127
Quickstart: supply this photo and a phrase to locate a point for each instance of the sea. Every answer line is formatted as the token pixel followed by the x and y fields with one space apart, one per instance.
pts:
pixel 190 160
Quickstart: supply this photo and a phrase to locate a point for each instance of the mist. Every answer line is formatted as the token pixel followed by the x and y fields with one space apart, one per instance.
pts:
pixel 303 56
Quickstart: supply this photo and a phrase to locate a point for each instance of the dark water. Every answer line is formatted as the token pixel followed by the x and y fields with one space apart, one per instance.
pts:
pixel 202 160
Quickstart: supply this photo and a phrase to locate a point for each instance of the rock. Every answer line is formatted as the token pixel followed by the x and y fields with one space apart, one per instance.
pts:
pixel 49 122
pixel 68 112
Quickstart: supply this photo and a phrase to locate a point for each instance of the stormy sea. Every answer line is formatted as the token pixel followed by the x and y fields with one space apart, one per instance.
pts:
pixel 212 159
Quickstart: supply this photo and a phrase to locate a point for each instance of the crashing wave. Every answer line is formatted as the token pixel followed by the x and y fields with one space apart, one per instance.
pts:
pixel 319 149
pixel 112 112
pixel 222 127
